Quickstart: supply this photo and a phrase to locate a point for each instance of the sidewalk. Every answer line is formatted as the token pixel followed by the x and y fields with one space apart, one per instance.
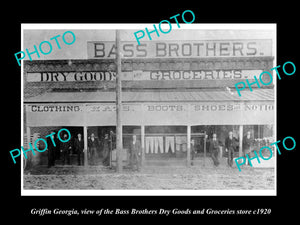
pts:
pixel 149 178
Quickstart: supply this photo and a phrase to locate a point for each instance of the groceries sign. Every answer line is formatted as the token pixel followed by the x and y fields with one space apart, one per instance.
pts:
pixel 181 49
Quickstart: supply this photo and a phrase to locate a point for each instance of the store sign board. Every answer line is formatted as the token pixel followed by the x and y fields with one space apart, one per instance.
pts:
pixel 181 49
pixel 150 107
pixel 143 75
pixel 103 114
pixel 192 75
pixel 70 76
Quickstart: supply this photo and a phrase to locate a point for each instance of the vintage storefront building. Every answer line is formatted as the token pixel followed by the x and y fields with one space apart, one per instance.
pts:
pixel 173 92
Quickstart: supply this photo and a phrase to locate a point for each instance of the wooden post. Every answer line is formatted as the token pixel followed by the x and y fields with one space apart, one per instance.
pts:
pixel 85 141
pixel 188 155
pixel 28 137
pixel 119 135
pixel 143 144
pixel 28 141
pixel 204 147
pixel 240 140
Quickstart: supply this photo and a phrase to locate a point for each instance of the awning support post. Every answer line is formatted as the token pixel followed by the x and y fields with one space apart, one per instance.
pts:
pixel 85 141
pixel 143 145
pixel 28 135
pixel 204 147
pixel 119 132
pixel 188 159
pixel 240 140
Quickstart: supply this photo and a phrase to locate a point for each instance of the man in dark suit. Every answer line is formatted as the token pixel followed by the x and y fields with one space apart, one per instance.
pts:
pixel 51 150
pixel 93 145
pixel 106 150
pixel 214 147
pixel 193 151
pixel 135 153
pixel 79 146
pixel 57 147
pixel 65 150
pixel 230 143
pixel 247 144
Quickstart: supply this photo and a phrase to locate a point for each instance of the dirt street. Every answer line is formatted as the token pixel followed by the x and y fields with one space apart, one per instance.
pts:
pixel 150 178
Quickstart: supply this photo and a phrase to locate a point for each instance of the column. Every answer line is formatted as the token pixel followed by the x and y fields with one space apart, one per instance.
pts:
pixel 28 133
pixel 188 155
pixel 143 144
pixel 204 148
pixel 85 140
pixel 28 136
pixel 240 140
pixel 119 130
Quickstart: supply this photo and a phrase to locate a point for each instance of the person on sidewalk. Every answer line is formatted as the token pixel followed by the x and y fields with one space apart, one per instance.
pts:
pixel 230 143
pixel 106 150
pixel 135 153
pixel 214 148
pixel 79 146
pixel 93 145
pixel 57 147
pixel 193 151
pixel 65 150
pixel 247 145
pixel 51 150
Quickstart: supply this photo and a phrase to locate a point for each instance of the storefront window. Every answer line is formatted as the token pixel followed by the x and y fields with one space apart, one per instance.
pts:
pixel 165 142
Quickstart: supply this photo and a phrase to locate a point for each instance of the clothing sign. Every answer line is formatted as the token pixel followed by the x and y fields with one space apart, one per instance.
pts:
pixel 149 107
pixel 181 49
pixel 156 114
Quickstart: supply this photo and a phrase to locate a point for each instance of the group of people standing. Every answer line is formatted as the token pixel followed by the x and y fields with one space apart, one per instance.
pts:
pixel 231 145
pixel 62 151
pixel 94 146
pixel 102 149
pixel 134 151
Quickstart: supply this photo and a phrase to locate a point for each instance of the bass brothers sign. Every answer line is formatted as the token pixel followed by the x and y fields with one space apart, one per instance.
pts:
pixel 181 49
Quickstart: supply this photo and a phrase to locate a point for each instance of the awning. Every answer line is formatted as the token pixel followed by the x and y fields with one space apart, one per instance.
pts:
pixel 208 107
pixel 155 96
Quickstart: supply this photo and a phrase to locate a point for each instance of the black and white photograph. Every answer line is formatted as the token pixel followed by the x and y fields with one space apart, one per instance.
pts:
pixel 143 109
pixel 122 112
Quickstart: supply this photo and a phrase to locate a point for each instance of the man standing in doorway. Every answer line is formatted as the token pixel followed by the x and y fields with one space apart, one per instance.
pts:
pixel 79 146
pixel 57 147
pixel 51 150
pixel 135 153
pixel 247 144
pixel 214 148
pixel 230 144
pixel 106 150
pixel 193 151
pixel 65 150
pixel 93 145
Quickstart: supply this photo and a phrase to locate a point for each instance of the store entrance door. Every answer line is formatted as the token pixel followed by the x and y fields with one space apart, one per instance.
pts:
pixel 199 145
